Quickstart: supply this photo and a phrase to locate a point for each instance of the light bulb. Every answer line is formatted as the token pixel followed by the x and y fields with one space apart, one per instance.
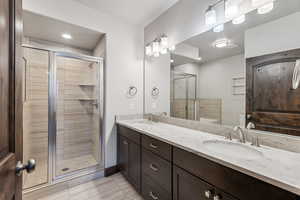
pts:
pixel 210 16
pixel 239 19
pixel 148 50
pixel 219 28
pixel 172 48
pixel 172 61
pixel 155 48
pixel 265 8
pixel 163 50
pixel 164 41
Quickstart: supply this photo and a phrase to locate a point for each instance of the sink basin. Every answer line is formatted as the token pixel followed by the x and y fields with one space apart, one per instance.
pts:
pixel 233 150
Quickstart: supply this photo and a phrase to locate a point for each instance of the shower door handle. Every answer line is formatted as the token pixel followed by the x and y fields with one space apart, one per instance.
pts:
pixel 29 167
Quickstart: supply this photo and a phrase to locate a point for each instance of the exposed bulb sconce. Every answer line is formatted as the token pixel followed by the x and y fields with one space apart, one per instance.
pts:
pixel 158 46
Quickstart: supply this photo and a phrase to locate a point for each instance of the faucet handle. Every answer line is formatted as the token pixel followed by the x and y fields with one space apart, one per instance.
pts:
pixel 255 141
pixel 228 136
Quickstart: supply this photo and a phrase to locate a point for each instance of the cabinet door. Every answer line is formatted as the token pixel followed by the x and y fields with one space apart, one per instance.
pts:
pixel 134 165
pixel 189 187
pixel 123 153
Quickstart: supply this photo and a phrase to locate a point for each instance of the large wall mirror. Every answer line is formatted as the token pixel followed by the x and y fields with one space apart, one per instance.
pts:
pixel 235 75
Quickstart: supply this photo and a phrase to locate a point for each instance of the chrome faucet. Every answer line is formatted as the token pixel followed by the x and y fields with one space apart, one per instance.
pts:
pixel 255 139
pixel 241 133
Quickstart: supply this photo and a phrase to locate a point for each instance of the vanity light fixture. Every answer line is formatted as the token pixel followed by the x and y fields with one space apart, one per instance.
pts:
pixel 219 28
pixel 66 36
pixel 239 20
pixel 265 8
pixel 159 46
pixel 210 16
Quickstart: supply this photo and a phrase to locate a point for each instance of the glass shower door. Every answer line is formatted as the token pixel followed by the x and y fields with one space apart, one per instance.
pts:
pixel 184 95
pixel 77 114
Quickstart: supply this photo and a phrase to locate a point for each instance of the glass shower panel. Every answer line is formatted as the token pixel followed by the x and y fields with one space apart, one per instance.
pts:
pixel 77 116
pixel 35 115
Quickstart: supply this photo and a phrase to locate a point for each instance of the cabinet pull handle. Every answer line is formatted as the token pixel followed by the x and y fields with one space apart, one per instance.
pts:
pixel 153 196
pixel 153 167
pixel 153 146
pixel 125 142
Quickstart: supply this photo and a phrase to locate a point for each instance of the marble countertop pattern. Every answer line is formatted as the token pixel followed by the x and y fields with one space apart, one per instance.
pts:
pixel 277 167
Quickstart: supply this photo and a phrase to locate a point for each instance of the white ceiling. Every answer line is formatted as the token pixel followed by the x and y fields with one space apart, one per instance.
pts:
pixel 236 32
pixel 140 12
pixel 45 28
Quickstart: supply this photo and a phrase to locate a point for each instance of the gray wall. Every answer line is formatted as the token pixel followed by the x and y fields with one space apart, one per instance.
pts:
pixel 276 36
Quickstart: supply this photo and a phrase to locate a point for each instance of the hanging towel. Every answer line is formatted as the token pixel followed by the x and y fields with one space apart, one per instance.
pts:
pixel 296 75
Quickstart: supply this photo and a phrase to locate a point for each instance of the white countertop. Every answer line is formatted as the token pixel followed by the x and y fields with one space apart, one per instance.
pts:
pixel 275 166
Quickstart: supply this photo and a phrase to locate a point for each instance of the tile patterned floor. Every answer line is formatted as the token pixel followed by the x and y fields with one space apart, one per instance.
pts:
pixel 111 188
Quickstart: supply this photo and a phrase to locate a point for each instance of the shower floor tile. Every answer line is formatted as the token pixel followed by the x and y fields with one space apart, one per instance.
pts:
pixel 111 188
pixel 81 162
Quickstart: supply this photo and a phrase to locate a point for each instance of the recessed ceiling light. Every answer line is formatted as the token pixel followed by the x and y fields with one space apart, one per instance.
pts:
pixel 66 36
pixel 239 19
pixel 224 43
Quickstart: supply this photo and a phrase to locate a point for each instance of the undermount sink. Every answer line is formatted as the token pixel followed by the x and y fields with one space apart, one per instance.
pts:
pixel 231 149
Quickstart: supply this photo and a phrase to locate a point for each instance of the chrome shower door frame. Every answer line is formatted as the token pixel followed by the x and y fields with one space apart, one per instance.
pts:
pixel 53 93
pixel 186 77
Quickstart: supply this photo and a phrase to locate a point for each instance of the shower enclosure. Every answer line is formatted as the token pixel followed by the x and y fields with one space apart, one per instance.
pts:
pixel 63 107
pixel 183 95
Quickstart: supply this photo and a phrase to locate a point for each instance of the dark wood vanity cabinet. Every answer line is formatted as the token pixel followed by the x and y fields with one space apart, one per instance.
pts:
pixel 189 187
pixel 129 156
pixel 160 171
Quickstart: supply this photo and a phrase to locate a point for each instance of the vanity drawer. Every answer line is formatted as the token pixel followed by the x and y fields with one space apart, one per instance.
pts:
pixel 240 185
pixel 152 191
pixel 157 169
pixel 158 147
pixel 130 134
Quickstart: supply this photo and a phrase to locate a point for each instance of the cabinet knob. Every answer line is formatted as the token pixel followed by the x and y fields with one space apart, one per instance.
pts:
pixel 217 197
pixel 29 167
pixel 153 196
pixel 207 194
